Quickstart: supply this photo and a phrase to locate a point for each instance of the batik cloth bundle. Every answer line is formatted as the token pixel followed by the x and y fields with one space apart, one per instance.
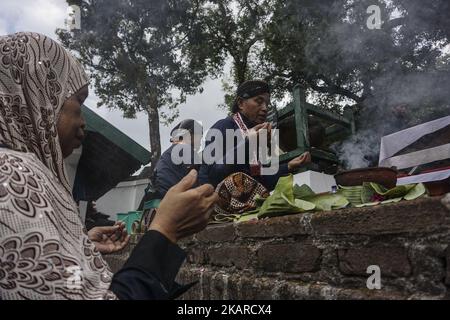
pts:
pixel 237 194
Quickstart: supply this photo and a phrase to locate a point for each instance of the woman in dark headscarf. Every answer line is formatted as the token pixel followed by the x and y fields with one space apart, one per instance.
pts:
pixel 45 252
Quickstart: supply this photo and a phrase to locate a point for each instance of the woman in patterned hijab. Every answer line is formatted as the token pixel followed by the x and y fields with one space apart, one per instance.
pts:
pixel 42 242
pixel 45 252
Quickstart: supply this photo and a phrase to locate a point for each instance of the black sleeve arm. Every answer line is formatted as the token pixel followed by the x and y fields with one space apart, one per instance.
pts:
pixel 150 271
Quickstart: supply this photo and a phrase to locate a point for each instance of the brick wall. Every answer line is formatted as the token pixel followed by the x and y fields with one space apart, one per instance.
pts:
pixel 325 255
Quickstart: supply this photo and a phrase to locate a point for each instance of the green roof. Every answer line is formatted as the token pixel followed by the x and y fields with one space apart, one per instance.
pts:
pixel 96 123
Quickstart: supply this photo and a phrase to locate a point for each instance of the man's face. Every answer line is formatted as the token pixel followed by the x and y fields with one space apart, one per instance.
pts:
pixel 255 108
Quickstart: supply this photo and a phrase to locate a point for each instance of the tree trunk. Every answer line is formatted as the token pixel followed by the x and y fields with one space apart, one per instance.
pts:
pixel 153 125
pixel 240 75
pixel 240 70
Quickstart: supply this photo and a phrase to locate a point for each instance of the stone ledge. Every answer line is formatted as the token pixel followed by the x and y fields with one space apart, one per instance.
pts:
pixel 447 277
pixel 221 285
pixel 288 258
pixel 324 255
pixel 393 261
pixel 238 256
pixel 419 216
pixel 284 226
pixel 217 233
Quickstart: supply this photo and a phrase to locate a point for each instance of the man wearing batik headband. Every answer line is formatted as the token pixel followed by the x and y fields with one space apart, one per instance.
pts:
pixel 249 113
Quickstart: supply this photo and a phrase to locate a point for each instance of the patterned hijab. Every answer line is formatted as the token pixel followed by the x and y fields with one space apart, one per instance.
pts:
pixel 36 76
pixel 44 250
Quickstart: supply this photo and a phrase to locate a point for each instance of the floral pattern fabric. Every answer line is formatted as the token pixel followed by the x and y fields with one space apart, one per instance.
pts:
pixel 44 249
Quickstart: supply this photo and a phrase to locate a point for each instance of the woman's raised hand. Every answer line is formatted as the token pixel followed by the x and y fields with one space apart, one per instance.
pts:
pixel 184 211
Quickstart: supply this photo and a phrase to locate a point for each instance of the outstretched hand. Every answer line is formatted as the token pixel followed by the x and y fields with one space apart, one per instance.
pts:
pixel 299 161
pixel 257 131
pixel 109 239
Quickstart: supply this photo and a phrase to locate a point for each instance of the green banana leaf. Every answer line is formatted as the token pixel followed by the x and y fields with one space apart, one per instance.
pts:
pixel 417 191
pixel 367 204
pixel 396 192
pixel 289 199
pixel 282 200
pixel 328 201
pixel 367 193
pixel 299 204
pixel 247 217
pixel 391 200
pixel 277 204
pixel 285 186
pixel 219 218
pixel 354 194
pixel 302 191
pixel 259 200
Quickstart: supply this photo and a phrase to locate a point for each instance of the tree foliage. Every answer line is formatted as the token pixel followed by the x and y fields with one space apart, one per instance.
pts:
pixel 333 52
pixel 394 76
pixel 327 47
pixel 135 51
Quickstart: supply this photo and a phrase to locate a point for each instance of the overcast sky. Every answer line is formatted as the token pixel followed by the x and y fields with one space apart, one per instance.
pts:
pixel 44 16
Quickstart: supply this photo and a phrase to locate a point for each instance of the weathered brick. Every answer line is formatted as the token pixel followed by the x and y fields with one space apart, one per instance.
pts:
pixel 185 276
pixel 217 285
pixel 393 262
pixel 217 233
pixel 228 256
pixel 117 260
pixel 323 292
pixel 257 289
pixel 366 294
pixel 288 258
pixel 115 263
pixel 428 261
pixel 420 216
pixel 196 255
pixel 326 257
pixel 303 291
pixel 446 201
pixel 201 290
pixel 447 278
pixel 187 241
pixel 290 290
pixel 276 227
